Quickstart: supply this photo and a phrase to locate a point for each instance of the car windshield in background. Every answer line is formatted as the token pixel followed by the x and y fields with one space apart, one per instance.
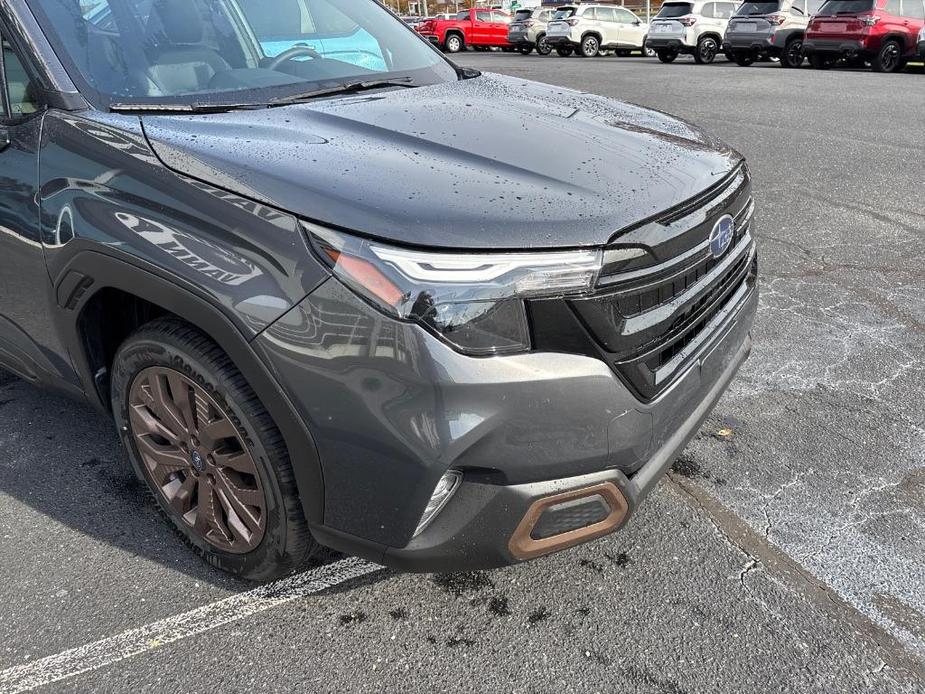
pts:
pixel 834 7
pixel 675 9
pixel 565 13
pixel 757 8
pixel 213 52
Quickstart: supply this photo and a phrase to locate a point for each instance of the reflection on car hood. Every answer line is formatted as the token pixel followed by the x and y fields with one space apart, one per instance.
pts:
pixel 491 162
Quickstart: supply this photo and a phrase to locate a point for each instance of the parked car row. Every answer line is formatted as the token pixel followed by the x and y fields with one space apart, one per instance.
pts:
pixel 884 33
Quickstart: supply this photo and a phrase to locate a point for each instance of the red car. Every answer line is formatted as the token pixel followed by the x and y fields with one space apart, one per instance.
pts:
pixel 475 28
pixel 883 32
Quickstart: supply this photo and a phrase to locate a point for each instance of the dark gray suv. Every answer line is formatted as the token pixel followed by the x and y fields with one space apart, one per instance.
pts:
pixel 331 291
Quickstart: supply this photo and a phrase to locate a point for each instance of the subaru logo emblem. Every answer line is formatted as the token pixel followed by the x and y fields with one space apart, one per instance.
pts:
pixel 721 237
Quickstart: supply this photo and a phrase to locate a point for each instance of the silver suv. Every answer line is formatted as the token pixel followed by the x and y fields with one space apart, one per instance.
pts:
pixel 693 28
pixel 769 29
pixel 589 29
pixel 528 30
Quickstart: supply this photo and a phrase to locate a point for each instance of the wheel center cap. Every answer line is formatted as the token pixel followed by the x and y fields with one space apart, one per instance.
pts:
pixel 198 462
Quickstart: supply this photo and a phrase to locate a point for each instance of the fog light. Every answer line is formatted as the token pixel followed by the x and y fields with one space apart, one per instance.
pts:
pixel 446 487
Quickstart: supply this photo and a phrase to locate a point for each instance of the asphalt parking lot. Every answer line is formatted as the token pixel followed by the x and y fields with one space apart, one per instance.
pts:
pixel 786 551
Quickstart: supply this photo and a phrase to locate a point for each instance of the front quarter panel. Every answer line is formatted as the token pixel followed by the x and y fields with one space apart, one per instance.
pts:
pixel 103 189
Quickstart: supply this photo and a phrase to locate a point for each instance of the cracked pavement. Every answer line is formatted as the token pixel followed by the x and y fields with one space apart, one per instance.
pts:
pixel 784 553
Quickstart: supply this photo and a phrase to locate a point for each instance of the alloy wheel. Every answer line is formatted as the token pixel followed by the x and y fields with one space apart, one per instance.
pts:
pixel 888 60
pixel 707 50
pixel 793 55
pixel 194 457
pixel 590 47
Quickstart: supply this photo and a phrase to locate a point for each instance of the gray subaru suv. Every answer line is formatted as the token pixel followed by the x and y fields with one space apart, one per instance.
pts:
pixel 769 29
pixel 317 320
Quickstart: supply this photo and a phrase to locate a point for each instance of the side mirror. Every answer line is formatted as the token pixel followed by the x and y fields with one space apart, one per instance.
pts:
pixel 637 22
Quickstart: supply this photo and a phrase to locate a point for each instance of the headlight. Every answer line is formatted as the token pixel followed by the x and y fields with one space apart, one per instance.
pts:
pixel 474 301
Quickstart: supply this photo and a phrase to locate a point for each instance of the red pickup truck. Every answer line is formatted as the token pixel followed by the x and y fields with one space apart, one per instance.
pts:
pixel 475 28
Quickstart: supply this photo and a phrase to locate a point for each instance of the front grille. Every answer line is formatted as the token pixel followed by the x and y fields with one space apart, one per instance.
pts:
pixel 649 323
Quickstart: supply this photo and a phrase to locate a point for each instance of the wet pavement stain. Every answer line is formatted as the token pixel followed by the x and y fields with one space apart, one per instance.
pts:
pixel 621 560
pixel 459 584
pixel 537 616
pixel 593 565
pixel 357 617
pixel 499 607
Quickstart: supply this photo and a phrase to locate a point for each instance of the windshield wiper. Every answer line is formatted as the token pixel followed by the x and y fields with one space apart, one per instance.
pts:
pixel 200 107
pixel 195 107
pixel 345 88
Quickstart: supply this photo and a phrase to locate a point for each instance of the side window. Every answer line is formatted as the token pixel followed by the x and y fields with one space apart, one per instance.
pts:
pixel 798 8
pixel 606 14
pixel 893 7
pixel 813 6
pixel 625 17
pixel 483 16
pixel 19 88
pixel 914 9
pixel 709 10
pixel 500 18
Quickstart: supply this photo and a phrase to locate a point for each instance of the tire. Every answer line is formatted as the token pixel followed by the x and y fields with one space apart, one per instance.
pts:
pixel 564 51
pixel 820 62
pixel 889 58
pixel 743 59
pixel 525 50
pixel 707 48
pixel 792 56
pixel 453 44
pixel 542 46
pixel 163 373
pixel 590 47
pixel 667 56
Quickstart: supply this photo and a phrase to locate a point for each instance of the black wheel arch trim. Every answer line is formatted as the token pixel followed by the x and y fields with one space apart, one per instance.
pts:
pixel 171 294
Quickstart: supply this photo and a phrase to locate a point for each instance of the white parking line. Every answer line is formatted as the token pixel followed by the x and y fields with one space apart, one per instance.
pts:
pixel 93 656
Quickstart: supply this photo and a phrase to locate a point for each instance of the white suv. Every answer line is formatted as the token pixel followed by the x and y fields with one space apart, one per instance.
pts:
pixel 589 29
pixel 695 28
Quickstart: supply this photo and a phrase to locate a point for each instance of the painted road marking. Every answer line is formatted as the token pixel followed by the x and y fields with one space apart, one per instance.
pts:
pixel 93 656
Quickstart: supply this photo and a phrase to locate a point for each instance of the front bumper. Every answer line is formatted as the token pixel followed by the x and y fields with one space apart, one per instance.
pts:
pixel 392 409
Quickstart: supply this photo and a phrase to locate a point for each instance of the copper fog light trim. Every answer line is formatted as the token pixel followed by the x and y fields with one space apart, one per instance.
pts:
pixel 523 546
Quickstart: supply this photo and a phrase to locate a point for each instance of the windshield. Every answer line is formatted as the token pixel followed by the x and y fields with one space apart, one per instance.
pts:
pixel 213 52
pixel 675 9
pixel 753 8
pixel 846 7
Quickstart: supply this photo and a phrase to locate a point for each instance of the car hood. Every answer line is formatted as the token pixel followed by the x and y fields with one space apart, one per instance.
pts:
pixel 489 162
